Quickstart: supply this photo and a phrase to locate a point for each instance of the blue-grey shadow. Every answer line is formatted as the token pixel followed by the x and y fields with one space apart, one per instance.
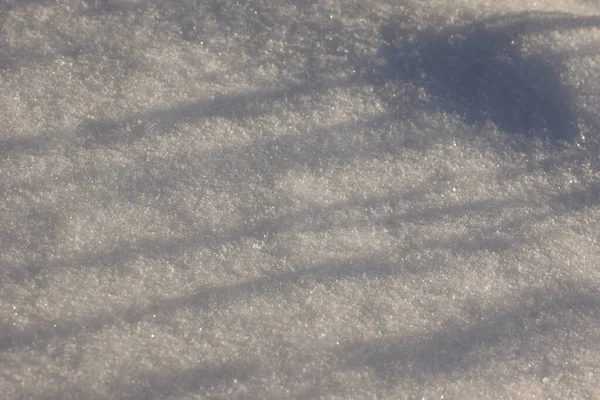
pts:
pixel 484 72
pixel 495 336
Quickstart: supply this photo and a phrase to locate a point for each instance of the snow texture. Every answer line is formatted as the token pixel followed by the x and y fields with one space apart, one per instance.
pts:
pixel 299 199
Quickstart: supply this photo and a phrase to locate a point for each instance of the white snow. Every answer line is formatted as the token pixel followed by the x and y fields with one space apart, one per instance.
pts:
pixel 299 199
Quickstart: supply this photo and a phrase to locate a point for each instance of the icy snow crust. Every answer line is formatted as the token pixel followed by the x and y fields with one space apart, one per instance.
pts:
pixel 299 199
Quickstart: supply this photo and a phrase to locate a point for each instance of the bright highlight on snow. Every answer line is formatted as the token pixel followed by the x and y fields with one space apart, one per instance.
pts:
pixel 299 199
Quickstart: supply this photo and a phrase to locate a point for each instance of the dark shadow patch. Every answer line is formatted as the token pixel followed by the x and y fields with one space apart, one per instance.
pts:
pixel 267 158
pixel 483 72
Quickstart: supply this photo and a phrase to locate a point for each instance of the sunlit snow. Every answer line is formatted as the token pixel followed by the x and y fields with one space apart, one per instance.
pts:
pixel 299 199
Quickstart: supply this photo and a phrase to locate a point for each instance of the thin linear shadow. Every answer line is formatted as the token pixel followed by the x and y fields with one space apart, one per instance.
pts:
pixel 38 334
pixel 483 72
pixel 385 356
pixel 66 44
pixel 577 200
pixel 494 238
pixel 537 319
pixel 498 335
pixel 9 5
pixel 312 219
pixel 161 383
pixel 478 71
pixel 38 237
pixel 167 382
pixel 237 106
pixel 267 159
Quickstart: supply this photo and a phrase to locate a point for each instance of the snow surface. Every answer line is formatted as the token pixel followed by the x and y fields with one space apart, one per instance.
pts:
pixel 301 199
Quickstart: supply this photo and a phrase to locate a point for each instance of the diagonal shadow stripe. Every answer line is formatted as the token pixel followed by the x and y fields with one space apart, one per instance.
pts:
pixel 165 382
pixel 39 334
pixel 498 335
